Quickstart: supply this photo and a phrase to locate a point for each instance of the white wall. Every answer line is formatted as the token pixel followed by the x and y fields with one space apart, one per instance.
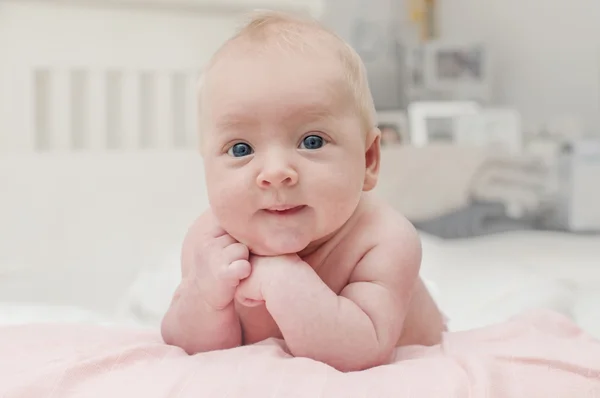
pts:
pixel 548 52
pixel 373 27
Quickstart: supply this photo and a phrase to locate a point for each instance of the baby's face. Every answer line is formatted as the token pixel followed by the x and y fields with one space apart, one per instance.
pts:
pixel 283 148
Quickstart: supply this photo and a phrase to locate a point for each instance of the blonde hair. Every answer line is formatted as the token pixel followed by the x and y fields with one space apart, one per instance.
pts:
pixel 287 31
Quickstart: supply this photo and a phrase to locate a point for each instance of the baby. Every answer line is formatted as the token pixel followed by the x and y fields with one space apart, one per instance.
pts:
pixel 294 245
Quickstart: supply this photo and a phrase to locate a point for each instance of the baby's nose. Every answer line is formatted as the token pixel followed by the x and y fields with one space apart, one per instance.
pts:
pixel 278 176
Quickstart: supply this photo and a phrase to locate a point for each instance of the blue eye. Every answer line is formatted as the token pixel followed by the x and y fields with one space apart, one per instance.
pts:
pixel 240 150
pixel 312 142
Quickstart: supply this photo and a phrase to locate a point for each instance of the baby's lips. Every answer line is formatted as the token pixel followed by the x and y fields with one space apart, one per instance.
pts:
pixel 283 210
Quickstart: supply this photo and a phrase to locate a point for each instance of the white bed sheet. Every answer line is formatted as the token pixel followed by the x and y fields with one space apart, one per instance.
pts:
pixel 472 284
pixel 476 282
pixel 480 281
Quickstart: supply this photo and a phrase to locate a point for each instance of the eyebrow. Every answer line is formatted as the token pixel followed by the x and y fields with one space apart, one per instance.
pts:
pixel 310 113
pixel 315 112
pixel 234 121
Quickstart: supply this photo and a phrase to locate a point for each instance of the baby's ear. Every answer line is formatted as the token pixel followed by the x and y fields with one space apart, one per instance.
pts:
pixel 372 159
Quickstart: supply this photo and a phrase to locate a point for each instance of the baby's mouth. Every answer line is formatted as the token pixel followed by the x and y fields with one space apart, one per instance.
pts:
pixel 285 210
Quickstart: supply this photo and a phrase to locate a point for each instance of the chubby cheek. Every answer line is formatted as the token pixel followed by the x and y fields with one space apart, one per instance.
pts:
pixel 230 200
pixel 338 191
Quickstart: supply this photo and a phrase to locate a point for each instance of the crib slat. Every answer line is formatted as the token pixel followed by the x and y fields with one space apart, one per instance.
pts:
pixel 147 111
pixel 37 109
pixel 79 109
pixel 97 113
pixel 130 111
pixel 163 100
pixel 60 111
pixel 191 104
pixel 179 110
pixel 21 112
pixel 113 106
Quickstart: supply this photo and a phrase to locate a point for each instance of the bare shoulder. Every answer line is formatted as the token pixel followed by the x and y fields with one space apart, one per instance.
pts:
pixel 394 245
pixel 385 281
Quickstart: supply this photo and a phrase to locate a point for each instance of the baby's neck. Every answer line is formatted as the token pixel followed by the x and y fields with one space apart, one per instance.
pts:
pixel 316 245
pixel 333 238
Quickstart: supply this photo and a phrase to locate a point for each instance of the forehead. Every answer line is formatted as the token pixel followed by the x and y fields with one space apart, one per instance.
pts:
pixel 276 83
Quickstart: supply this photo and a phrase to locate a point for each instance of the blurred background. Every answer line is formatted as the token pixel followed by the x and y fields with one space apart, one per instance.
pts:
pixel 491 147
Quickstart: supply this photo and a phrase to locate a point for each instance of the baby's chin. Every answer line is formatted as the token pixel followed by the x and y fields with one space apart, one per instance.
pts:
pixel 268 250
pixel 277 247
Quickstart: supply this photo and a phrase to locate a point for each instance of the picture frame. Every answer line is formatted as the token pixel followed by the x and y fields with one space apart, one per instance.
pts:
pixel 394 128
pixel 461 68
pixel 434 122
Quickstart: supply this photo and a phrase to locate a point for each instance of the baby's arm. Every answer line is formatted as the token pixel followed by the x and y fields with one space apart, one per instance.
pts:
pixel 202 316
pixel 359 328
pixel 191 324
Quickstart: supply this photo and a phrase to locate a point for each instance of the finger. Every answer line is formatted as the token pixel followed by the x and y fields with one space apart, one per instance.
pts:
pixel 215 231
pixel 236 271
pixel 224 240
pixel 241 269
pixel 242 298
pixel 246 302
pixel 235 251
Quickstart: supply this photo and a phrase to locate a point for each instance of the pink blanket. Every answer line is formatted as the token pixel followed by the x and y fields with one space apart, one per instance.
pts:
pixel 537 354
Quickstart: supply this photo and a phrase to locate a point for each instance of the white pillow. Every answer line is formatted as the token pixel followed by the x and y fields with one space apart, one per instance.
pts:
pixel 476 291
pixel 150 294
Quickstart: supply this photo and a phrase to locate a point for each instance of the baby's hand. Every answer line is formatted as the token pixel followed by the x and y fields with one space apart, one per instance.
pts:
pixel 218 265
pixel 265 270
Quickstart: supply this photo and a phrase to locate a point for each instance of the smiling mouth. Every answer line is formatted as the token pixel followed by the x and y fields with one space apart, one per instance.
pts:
pixel 285 210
